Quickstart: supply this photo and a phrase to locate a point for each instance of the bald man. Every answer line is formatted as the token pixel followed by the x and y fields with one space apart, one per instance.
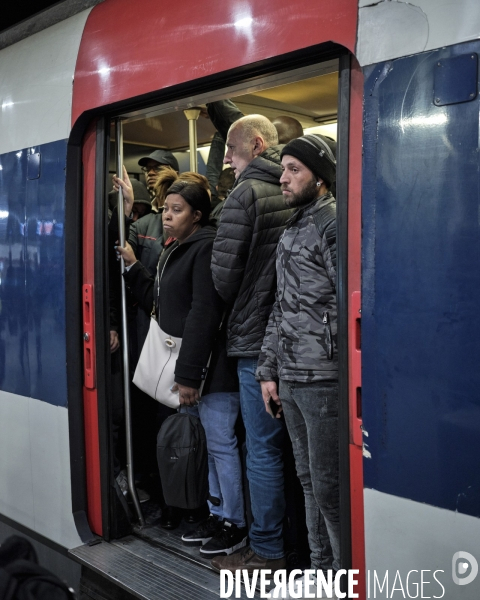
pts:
pixel 287 128
pixel 243 266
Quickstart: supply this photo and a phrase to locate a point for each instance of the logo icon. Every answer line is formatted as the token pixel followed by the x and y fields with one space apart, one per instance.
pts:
pixel 464 568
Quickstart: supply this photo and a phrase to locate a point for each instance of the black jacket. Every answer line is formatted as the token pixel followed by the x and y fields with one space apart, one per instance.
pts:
pixel 243 261
pixel 223 113
pixel 146 238
pixel 190 308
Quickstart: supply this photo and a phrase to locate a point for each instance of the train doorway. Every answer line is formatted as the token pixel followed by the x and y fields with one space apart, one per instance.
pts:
pixel 318 97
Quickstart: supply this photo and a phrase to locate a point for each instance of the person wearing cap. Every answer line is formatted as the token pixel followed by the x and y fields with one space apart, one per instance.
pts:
pixel 298 363
pixel 153 164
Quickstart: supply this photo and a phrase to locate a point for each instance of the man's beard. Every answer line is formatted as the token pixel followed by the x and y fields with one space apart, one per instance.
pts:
pixel 305 196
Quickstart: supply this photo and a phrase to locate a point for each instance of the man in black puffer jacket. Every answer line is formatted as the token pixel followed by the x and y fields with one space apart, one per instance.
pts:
pixel 243 266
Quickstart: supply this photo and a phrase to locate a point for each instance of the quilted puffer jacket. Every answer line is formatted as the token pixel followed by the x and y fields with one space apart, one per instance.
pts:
pixel 243 260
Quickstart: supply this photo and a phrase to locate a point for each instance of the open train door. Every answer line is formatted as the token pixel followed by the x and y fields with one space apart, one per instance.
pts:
pixel 102 93
pixel 95 157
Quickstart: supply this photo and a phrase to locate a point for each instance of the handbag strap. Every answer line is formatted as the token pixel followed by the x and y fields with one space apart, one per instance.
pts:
pixel 165 257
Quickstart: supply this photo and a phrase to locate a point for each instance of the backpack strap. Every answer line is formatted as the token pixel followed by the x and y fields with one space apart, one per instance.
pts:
pixel 325 222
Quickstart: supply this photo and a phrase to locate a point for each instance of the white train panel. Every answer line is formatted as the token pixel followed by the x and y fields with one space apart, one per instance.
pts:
pixel 35 467
pixel 36 85
pixel 394 524
pixel 393 29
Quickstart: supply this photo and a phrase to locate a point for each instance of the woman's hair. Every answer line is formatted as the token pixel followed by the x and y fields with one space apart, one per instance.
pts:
pixel 195 194
pixel 167 177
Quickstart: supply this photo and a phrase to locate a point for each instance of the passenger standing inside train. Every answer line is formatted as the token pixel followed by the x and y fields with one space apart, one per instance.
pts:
pixel 188 306
pixel 152 166
pixel 287 128
pixel 224 185
pixel 243 267
pixel 299 352
pixel 147 238
pixel 141 207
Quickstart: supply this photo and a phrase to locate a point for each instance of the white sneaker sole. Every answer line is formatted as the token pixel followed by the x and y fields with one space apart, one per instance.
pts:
pixel 224 551
pixel 195 541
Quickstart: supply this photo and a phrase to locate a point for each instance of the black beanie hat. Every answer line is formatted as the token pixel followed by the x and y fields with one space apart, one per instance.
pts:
pixel 314 152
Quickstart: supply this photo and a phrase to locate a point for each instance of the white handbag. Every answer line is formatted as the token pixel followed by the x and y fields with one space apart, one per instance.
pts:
pixel 155 372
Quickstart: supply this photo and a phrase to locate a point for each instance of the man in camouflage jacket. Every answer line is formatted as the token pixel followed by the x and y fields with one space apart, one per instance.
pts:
pixel 299 349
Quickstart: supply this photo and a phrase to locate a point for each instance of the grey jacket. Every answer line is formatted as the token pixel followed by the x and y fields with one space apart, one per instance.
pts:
pixel 243 261
pixel 300 343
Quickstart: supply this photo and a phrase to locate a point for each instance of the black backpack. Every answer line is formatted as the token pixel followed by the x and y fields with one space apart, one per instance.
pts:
pixel 183 461
pixel 22 578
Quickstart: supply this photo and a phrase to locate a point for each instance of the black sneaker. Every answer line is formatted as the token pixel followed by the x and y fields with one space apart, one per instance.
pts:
pixel 203 533
pixel 226 540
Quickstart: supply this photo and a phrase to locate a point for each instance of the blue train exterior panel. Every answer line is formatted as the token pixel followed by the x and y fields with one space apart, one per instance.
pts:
pixel 421 286
pixel 32 282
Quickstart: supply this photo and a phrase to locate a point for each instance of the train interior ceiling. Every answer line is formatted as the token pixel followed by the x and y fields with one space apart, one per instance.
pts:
pixel 312 100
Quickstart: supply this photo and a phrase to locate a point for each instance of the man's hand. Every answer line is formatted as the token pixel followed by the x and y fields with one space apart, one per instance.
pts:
pixel 114 341
pixel 188 396
pixel 127 189
pixel 269 392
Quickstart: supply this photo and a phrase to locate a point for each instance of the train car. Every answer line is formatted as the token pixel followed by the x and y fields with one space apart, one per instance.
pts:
pixel 400 83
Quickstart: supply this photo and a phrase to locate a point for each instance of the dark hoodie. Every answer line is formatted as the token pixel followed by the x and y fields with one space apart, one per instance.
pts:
pixel 190 308
pixel 243 260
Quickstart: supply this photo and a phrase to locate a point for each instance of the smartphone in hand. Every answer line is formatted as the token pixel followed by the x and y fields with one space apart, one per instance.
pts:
pixel 272 408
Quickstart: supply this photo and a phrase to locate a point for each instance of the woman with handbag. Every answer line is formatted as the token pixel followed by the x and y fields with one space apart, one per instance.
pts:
pixel 148 239
pixel 188 307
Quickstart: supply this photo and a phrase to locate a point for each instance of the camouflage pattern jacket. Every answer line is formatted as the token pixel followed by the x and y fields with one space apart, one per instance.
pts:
pixel 300 343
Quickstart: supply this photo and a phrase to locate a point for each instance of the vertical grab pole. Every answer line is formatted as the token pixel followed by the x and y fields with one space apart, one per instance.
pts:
pixel 192 115
pixel 126 361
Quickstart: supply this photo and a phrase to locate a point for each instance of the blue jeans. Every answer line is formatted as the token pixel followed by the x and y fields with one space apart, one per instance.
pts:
pixel 311 414
pixel 218 413
pixel 264 465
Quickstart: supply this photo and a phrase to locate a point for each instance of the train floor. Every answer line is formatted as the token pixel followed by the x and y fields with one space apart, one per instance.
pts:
pixel 170 540
pixel 152 563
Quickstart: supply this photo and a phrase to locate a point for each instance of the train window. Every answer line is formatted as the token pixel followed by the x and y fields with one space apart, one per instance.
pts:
pixel 311 98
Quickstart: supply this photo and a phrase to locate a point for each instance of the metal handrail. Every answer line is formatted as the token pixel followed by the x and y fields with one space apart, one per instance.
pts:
pixel 125 345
